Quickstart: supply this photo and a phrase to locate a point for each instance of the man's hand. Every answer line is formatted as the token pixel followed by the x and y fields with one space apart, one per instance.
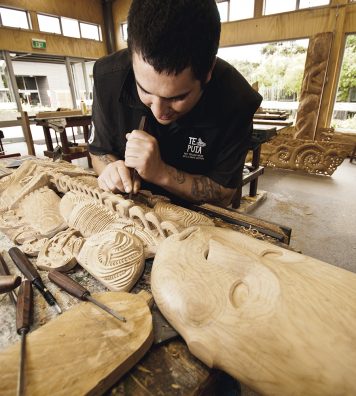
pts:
pixel 117 177
pixel 142 153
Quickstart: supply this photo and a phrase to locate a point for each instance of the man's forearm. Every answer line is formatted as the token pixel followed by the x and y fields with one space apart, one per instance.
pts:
pixel 101 161
pixel 195 188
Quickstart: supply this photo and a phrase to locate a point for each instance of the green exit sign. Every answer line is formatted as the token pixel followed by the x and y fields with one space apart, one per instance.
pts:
pixel 39 44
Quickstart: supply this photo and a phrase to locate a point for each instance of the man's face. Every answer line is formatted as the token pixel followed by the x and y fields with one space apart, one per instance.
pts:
pixel 168 96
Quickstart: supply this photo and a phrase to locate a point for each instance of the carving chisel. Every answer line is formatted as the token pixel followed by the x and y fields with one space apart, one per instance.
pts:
pixel 27 268
pixel 78 291
pixel 141 127
pixel 5 271
pixel 9 283
pixel 23 323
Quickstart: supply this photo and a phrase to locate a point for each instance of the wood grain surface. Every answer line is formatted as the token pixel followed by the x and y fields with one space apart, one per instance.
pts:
pixel 278 321
pixel 82 351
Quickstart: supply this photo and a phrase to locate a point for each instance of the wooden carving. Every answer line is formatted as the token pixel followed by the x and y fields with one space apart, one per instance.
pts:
pixel 84 351
pixel 315 157
pixel 115 257
pixel 60 251
pixel 40 209
pixel 184 217
pixel 313 85
pixel 280 322
pixel 303 146
pixel 109 235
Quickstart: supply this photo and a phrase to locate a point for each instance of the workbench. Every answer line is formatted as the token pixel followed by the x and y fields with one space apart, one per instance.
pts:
pixel 168 368
pixel 69 150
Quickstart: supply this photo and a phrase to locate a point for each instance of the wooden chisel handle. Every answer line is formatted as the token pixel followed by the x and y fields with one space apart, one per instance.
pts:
pixel 24 307
pixel 23 264
pixel 68 284
pixel 9 282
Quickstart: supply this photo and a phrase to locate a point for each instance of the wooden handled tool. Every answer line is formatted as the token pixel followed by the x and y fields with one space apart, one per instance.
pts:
pixel 5 271
pixel 78 291
pixel 23 323
pixel 141 127
pixel 26 267
pixel 9 283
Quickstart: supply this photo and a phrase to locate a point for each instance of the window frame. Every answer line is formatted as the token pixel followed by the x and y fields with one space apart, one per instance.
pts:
pixel 59 17
pixel 73 19
pixel 28 18
pixel 90 23
pixel 297 7
pixel 51 16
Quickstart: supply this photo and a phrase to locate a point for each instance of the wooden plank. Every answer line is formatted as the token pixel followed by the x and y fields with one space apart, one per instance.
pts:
pixel 277 231
pixel 84 350
pixel 57 114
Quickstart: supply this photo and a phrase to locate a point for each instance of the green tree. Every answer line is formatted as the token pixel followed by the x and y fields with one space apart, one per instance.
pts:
pixel 348 70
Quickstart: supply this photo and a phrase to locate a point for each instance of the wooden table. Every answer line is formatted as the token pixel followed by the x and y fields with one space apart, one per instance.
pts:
pixel 68 150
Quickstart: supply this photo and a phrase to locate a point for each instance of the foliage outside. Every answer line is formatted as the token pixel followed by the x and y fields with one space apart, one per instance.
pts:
pixel 280 68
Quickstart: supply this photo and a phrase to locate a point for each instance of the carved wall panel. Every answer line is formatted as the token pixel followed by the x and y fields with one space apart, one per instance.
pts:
pixel 316 157
pixel 313 85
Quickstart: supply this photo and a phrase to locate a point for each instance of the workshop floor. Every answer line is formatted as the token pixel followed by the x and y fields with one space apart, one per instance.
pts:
pixel 321 211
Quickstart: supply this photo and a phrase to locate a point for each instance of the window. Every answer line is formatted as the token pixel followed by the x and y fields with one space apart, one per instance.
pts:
pixel 90 31
pixel 276 68
pixel 223 7
pixel 8 107
pixel 233 10
pixel 124 31
pixel 14 18
pixel 312 3
pixel 344 115
pixel 50 24
pixel 277 6
pixel 70 27
pixel 241 9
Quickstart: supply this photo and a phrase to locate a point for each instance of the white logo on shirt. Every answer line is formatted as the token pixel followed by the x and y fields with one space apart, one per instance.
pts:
pixel 92 134
pixel 194 149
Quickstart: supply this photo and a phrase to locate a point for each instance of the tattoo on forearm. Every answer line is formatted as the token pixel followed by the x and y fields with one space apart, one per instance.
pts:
pixel 177 175
pixel 105 158
pixel 205 189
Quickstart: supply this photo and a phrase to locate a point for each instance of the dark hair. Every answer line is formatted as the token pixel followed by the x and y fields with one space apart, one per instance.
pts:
pixel 172 35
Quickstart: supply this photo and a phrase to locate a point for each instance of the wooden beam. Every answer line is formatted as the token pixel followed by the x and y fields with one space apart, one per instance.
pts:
pixel 258 11
pixel 335 61
pixel 27 133
pixel 286 26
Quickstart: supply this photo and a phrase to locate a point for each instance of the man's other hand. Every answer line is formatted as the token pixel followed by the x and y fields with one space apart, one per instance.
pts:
pixel 117 177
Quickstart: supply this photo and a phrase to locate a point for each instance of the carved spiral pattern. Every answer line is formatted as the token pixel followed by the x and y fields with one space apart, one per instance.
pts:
pixel 115 258
pixel 90 218
pixel 182 216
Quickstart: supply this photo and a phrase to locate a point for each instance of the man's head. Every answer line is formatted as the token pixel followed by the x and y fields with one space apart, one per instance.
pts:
pixel 173 44
pixel 172 35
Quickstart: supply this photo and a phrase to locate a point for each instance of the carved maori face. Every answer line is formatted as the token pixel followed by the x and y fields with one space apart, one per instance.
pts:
pixel 114 257
pixel 257 311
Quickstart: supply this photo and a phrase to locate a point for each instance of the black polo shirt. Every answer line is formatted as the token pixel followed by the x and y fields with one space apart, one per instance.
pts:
pixel 210 140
